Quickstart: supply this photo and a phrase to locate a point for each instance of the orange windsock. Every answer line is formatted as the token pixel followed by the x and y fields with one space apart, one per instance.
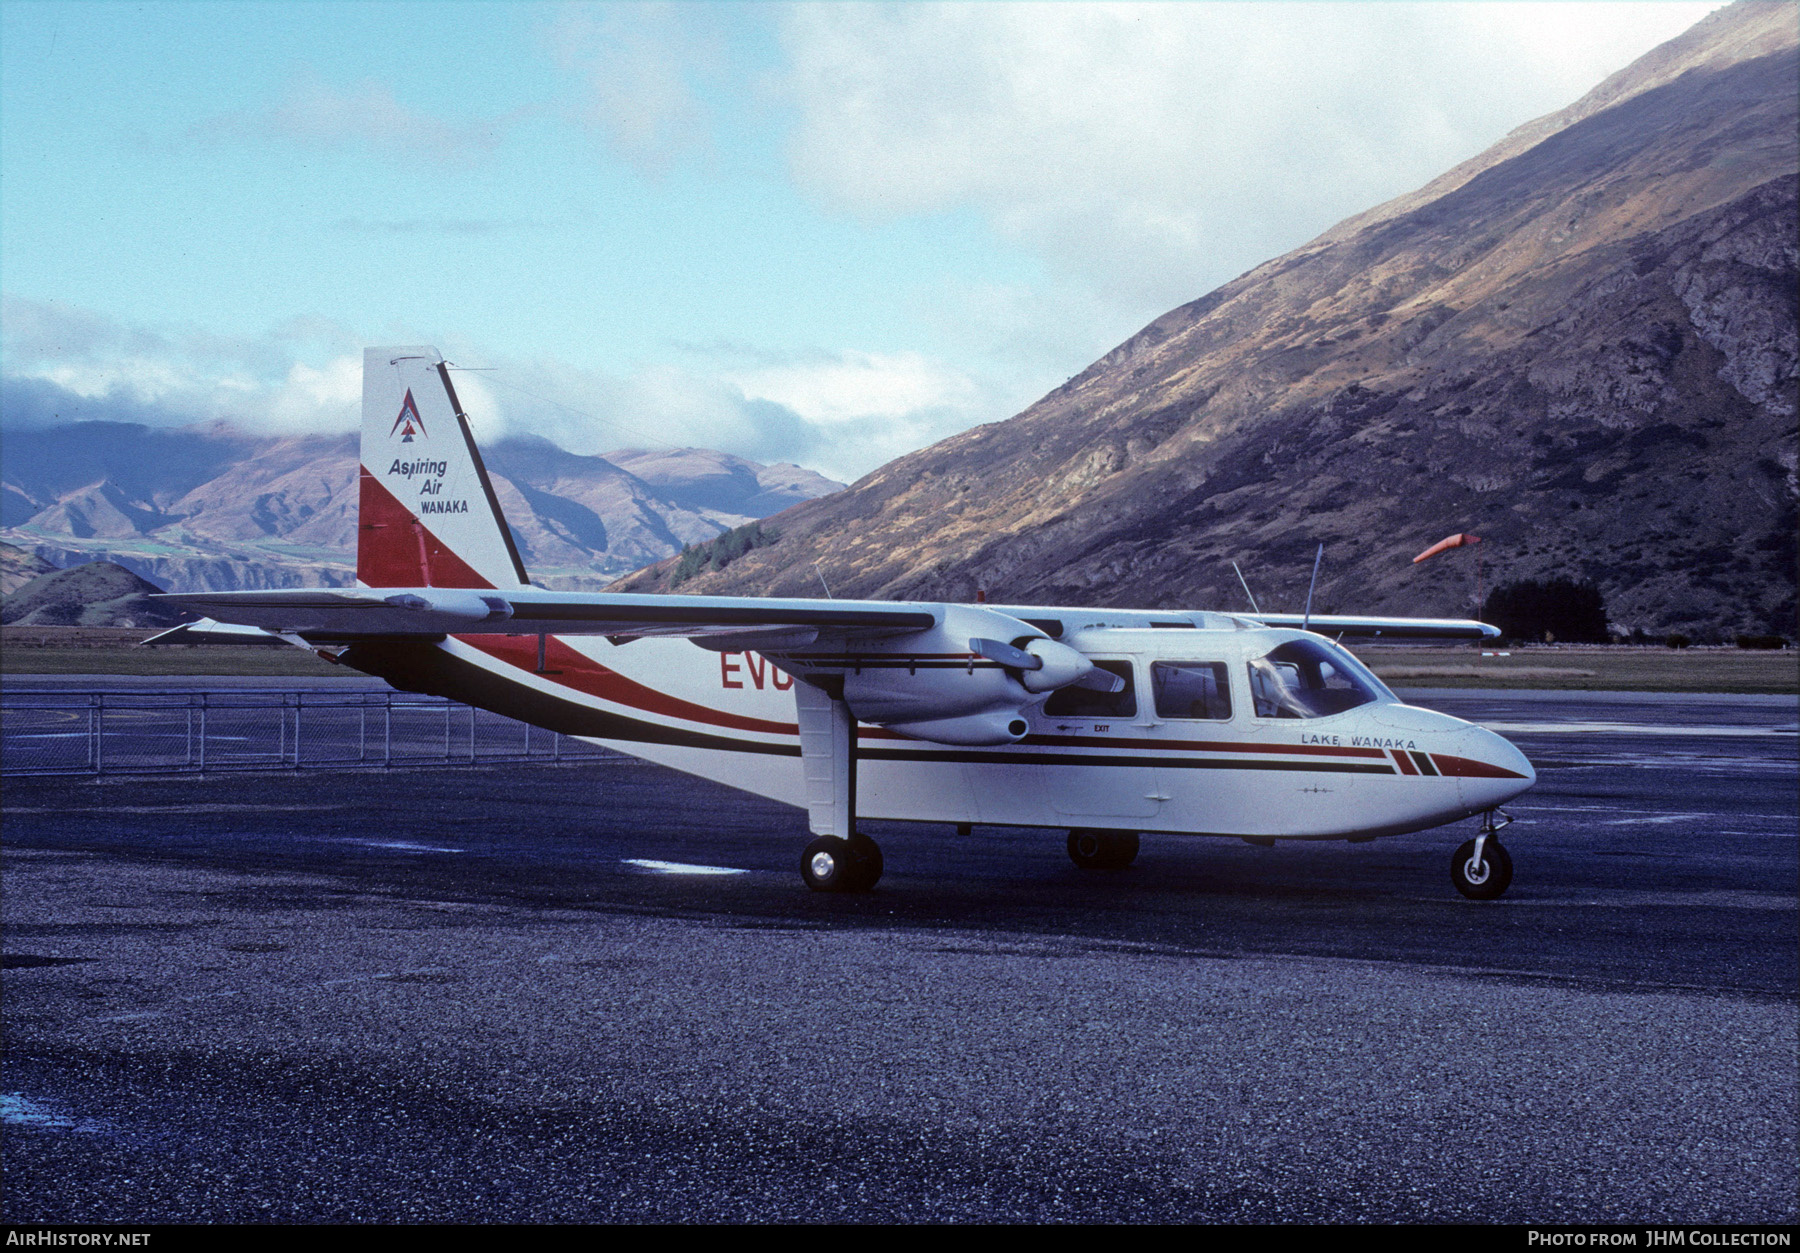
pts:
pixel 1449 541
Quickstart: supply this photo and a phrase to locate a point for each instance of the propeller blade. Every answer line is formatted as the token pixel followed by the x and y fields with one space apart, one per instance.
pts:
pixel 1101 681
pixel 1008 656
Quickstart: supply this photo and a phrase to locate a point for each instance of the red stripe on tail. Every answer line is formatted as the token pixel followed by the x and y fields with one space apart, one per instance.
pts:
pixel 395 549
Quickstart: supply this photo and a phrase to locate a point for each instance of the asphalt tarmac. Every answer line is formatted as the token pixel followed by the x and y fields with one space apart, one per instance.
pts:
pixel 600 993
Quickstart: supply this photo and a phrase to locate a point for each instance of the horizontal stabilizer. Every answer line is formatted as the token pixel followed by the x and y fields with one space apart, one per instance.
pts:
pixel 206 631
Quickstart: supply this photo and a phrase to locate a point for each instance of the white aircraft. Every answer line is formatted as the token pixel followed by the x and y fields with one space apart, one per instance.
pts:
pixel 1107 722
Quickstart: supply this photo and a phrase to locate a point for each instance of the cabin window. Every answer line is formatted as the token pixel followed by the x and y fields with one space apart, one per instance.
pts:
pixel 1191 689
pixel 1085 702
pixel 1311 679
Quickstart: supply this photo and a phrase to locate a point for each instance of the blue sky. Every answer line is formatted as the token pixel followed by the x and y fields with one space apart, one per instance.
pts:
pixel 820 233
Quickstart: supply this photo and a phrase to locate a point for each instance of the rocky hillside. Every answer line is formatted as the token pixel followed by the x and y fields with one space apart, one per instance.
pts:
pixel 206 508
pixel 1580 345
pixel 97 594
pixel 18 567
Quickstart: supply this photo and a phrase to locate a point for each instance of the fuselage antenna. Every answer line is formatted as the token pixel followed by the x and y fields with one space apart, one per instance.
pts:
pixel 822 582
pixel 1307 616
pixel 1246 587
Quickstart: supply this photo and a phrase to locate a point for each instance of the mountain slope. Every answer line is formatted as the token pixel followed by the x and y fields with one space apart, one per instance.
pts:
pixel 1580 346
pixel 210 507
pixel 18 567
pixel 96 594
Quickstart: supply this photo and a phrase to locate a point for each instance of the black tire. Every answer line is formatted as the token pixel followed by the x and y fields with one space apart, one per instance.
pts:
pixel 1491 880
pixel 1102 850
pixel 828 865
pixel 866 854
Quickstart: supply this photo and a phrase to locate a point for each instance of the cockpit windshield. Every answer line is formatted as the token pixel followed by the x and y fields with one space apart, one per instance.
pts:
pixel 1308 678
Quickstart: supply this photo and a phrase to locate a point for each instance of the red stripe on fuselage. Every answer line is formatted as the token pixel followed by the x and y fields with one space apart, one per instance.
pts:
pixel 584 674
pixel 1404 762
pixel 1200 746
pixel 1464 768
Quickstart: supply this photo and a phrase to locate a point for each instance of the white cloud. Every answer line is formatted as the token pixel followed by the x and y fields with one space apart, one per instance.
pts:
pixel 1153 151
pixel 319 114
pixel 638 64
pixel 841 413
pixel 311 399
pixel 182 375
pixel 853 385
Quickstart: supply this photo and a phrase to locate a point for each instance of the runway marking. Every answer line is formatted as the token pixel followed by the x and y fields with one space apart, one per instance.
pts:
pixel 1710 763
pixel 16 1111
pixel 677 867
pixel 178 809
pixel 1601 809
pixel 1629 728
pixel 404 847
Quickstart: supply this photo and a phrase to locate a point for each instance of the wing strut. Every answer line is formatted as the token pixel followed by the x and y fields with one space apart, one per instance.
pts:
pixel 841 859
pixel 828 756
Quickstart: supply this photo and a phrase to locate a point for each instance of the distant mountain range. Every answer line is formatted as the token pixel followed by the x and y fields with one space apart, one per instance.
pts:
pixel 210 507
pixel 1580 345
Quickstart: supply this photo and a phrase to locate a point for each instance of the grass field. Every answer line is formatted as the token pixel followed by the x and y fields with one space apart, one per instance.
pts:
pixel 1618 668
pixel 116 650
pixel 87 650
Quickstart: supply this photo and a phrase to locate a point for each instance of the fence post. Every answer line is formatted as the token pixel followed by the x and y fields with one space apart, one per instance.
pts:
pixel 471 735
pixel 203 733
pixel 299 704
pixel 387 731
pixel 95 729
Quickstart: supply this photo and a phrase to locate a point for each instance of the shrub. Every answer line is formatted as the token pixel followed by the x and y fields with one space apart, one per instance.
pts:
pixel 720 551
pixel 1560 608
pixel 1761 641
pixel 1678 640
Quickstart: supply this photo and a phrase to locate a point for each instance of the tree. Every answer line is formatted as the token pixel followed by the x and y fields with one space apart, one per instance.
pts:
pixel 1571 612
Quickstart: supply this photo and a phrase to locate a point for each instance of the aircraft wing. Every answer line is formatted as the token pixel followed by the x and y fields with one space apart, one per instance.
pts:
pixel 1360 627
pixel 329 615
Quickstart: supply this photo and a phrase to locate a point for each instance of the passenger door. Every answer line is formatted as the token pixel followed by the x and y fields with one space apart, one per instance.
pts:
pixel 1107 774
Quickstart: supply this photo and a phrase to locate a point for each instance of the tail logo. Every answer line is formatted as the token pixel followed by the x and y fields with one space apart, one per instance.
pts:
pixel 409 418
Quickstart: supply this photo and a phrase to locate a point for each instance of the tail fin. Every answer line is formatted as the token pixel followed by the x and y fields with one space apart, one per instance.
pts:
pixel 428 514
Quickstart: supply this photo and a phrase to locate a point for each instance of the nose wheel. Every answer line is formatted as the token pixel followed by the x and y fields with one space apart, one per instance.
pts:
pixel 1482 868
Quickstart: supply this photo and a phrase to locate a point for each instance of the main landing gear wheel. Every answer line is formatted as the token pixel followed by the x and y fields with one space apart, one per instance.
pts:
pixel 831 864
pixel 868 855
pixel 1482 880
pixel 1103 850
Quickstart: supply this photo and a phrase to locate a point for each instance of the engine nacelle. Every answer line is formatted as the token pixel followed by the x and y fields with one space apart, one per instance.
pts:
pixel 1001 726
pixel 936 685
pixel 930 690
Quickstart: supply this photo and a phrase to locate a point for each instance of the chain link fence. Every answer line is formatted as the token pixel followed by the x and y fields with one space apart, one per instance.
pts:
pixel 188 732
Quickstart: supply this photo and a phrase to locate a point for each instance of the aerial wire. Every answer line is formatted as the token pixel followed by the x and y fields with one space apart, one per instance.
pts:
pixel 557 404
